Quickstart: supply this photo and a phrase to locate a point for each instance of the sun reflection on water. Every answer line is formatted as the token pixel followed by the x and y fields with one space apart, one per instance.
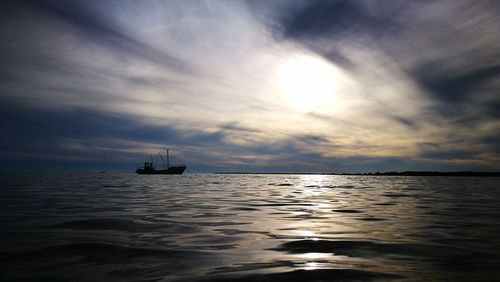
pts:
pixel 312 256
pixel 311 265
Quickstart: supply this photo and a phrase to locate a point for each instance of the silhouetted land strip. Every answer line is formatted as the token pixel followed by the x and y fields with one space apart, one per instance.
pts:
pixel 389 173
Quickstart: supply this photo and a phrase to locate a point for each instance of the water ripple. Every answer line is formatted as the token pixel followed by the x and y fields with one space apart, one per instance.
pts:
pixel 124 227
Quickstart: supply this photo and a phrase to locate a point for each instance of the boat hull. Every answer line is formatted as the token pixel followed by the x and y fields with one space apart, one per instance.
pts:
pixel 171 170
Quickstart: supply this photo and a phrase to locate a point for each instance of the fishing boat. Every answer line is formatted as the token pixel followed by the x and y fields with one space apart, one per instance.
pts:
pixel 150 167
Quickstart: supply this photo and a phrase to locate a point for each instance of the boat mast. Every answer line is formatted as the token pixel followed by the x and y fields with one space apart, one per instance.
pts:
pixel 156 160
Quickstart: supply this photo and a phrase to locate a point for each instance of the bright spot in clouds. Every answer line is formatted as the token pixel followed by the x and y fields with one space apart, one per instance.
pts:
pixel 307 82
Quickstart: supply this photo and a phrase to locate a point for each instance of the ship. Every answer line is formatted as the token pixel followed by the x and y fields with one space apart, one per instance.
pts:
pixel 150 167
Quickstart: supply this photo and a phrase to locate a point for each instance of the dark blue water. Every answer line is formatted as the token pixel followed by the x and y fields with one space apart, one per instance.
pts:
pixel 124 227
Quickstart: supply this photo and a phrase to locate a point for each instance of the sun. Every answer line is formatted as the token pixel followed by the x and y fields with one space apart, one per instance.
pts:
pixel 307 82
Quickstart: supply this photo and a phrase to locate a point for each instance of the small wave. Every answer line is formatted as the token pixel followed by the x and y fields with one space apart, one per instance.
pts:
pixel 244 209
pixel 258 266
pixel 388 204
pixel 123 225
pixel 102 252
pixel 230 232
pixel 345 186
pixel 365 248
pixel 117 186
pixel 347 211
pixel 310 275
pixel 285 205
pixel 370 219
pixel 390 195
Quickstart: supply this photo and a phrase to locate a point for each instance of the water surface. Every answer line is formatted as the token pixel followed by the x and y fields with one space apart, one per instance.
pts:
pixel 125 227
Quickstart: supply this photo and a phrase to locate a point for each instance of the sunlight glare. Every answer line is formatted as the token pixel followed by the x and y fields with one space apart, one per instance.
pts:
pixel 307 82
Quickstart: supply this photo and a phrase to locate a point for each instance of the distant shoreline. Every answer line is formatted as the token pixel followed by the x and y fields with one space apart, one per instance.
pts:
pixel 391 173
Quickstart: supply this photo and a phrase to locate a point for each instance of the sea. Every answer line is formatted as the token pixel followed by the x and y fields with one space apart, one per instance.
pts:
pixel 219 227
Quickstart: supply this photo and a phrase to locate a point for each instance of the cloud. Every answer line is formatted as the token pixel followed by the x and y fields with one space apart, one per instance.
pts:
pixel 416 83
pixel 336 19
pixel 96 26
pixel 456 88
pixel 442 53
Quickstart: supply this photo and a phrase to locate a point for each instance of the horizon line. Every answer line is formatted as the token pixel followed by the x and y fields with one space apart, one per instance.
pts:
pixel 386 173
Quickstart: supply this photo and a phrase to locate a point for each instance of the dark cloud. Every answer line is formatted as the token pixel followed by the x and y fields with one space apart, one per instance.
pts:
pixel 334 19
pixel 492 141
pixel 30 124
pixel 457 86
pixel 329 27
pixel 233 126
pixel 405 121
pixel 449 154
pixel 428 146
pixel 51 135
pixel 462 159
pixel 464 97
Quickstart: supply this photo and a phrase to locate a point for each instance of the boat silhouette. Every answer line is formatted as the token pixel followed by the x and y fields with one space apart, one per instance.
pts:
pixel 150 167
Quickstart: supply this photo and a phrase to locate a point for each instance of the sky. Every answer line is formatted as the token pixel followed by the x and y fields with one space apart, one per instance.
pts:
pixel 258 86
